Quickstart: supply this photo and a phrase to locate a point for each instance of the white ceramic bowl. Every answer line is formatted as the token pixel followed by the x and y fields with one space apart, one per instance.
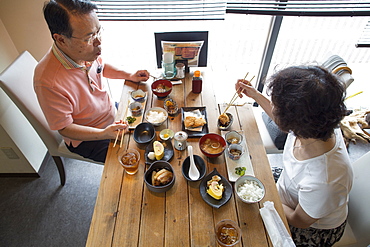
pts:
pixel 138 95
pixel 249 189
pixel 235 151
pixel 233 137
pixel 156 112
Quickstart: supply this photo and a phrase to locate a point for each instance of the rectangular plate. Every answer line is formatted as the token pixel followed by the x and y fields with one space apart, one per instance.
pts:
pixel 128 113
pixel 190 133
pixel 243 161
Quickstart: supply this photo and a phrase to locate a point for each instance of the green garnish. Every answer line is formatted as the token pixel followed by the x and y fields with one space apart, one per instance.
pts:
pixel 130 119
pixel 240 170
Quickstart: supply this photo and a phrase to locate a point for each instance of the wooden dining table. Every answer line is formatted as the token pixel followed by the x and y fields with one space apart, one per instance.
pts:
pixel 128 214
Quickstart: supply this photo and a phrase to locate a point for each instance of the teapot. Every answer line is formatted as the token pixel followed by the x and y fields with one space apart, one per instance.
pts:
pixel 180 140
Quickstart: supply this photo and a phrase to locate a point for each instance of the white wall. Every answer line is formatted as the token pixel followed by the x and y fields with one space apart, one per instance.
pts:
pixel 25 24
pixel 22 27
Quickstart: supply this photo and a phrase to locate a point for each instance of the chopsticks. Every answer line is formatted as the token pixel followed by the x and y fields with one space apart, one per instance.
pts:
pixel 123 131
pixel 353 95
pixel 236 95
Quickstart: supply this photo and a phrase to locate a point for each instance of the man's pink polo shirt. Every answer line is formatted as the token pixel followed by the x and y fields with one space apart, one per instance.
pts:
pixel 67 93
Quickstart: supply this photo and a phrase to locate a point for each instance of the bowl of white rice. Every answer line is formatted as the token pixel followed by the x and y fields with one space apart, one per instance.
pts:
pixel 249 189
pixel 156 116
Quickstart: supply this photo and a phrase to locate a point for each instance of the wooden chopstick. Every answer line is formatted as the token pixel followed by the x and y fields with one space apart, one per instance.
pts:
pixel 234 98
pixel 123 131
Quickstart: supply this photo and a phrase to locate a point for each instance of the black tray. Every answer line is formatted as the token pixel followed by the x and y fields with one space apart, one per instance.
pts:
pixel 195 133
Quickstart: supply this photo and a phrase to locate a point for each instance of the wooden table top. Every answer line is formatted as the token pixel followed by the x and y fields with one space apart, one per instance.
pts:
pixel 128 214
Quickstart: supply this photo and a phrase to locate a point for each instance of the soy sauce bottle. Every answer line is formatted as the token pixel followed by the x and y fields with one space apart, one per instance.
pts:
pixel 197 82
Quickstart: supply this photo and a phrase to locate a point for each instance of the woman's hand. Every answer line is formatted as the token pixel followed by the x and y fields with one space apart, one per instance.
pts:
pixel 245 87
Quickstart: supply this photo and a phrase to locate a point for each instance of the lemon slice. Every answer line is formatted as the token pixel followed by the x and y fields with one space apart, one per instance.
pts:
pixel 158 150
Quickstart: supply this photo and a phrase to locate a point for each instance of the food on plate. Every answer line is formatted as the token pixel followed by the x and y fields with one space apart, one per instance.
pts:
pixel 162 177
pixel 227 234
pixel 214 188
pixel 194 122
pixel 171 106
pixel 161 88
pixel 224 119
pixel 240 170
pixel 211 146
pixel 235 152
pixel 130 119
pixel 250 190
pixel 138 96
pixel 233 140
pixel 158 150
pixel 151 156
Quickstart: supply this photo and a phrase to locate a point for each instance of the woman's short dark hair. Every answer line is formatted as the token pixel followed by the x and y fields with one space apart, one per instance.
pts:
pixel 57 12
pixel 308 100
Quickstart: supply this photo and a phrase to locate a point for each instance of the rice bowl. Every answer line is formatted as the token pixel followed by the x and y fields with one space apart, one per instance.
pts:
pixel 249 189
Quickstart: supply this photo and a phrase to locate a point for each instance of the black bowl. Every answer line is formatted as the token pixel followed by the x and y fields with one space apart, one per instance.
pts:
pixel 144 133
pixel 199 163
pixel 158 165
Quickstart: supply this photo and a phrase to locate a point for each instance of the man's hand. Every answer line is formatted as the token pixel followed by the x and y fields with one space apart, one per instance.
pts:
pixel 352 126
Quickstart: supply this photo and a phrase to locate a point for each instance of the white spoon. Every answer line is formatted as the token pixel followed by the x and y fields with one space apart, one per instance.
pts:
pixel 193 170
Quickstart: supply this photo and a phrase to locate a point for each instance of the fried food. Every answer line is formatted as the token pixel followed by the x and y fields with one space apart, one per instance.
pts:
pixel 224 119
pixel 193 122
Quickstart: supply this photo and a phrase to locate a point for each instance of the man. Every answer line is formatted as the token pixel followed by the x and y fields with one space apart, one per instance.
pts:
pixel 68 84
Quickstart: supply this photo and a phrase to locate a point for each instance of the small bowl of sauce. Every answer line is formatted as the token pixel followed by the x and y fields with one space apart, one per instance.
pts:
pixel 138 95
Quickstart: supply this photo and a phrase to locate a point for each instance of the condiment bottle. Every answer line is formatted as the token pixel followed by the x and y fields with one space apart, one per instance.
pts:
pixel 180 67
pixel 197 82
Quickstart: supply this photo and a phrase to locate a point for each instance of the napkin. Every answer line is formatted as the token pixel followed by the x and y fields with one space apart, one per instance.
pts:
pixel 275 227
pixel 196 113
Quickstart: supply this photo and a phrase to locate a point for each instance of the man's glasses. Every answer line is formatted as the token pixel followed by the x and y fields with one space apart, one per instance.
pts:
pixel 90 40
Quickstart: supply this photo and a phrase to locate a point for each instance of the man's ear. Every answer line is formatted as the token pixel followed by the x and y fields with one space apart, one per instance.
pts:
pixel 59 39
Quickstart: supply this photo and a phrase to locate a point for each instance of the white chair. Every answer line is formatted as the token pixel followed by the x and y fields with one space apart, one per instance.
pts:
pixel 266 138
pixel 17 83
pixel 358 232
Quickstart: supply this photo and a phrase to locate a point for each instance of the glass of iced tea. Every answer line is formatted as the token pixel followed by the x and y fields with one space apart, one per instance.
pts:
pixel 227 233
pixel 129 159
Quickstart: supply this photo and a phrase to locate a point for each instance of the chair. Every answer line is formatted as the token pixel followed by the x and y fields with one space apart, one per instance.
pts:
pixel 358 225
pixel 17 83
pixel 269 144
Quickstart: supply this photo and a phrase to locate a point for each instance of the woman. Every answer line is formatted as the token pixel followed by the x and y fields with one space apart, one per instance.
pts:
pixel 308 103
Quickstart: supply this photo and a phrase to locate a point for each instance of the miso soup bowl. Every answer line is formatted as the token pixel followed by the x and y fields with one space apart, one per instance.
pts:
pixel 212 137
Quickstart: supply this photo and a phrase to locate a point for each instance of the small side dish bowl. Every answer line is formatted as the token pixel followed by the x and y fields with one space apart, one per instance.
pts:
pixel 166 134
pixel 162 88
pixel 235 151
pixel 199 163
pixel 138 95
pixel 136 108
pixel 233 137
pixel 171 106
pixel 226 126
pixel 156 116
pixel 249 189
pixel 228 233
pixel 212 145
pixel 144 133
pixel 149 178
